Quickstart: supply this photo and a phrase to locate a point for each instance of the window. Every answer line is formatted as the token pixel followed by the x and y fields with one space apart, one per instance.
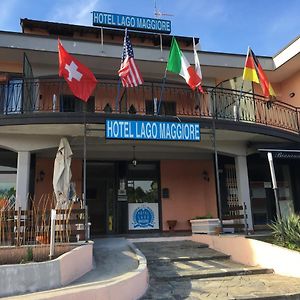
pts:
pixel 8 177
pixel 69 103
pixel 142 191
pixel 12 93
pixel 143 183
pixel 167 108
pixel 234 105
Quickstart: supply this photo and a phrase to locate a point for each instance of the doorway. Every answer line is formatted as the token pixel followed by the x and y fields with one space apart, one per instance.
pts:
pixel 100 197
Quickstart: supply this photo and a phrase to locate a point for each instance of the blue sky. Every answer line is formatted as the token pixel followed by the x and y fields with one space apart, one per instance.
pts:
pixel 222 25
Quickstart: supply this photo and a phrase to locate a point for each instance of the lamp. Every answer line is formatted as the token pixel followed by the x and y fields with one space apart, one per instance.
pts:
pixel 134 161
pixel 40 176
pixel 292 94
pixel 205 175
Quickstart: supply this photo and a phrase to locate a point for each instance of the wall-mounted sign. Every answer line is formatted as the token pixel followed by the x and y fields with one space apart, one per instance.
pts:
pixel 132 22
pixel 151 130
pixel 283 153
pixel 143 216
pixel 286 155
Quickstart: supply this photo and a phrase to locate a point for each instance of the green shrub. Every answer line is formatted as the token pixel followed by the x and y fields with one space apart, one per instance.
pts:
pixel 208 216
pixel 28 257
pixel 286 231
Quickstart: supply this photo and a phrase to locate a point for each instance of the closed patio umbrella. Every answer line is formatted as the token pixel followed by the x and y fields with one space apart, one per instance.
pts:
pixel 62 174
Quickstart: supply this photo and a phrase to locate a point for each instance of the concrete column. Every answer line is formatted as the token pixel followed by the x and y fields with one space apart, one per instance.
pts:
pixel 22 184
pixel 243 186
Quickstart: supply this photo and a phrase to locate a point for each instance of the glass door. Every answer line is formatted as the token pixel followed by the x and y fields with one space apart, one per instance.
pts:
pixel 101 197
pixel 143 197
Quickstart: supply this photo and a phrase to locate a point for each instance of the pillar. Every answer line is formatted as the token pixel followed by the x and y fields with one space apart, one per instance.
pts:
pixel 22 183
pixel 243 187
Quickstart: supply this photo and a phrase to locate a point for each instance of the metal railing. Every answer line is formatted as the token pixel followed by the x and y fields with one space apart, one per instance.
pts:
pixel 53 95
pixel 31 227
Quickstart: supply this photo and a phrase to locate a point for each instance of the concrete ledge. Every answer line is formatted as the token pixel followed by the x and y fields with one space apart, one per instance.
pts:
pixel 31 277
pixel 129 286
pixel 76 263
pixel 253 252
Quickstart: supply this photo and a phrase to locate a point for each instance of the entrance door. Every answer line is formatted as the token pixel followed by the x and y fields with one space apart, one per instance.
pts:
pixel 270 205
pixel 100 190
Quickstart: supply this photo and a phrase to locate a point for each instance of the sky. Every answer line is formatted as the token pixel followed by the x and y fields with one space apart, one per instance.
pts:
pixel 228 26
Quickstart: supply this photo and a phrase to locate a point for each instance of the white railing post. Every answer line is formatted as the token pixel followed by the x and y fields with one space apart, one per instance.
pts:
pixel 52 233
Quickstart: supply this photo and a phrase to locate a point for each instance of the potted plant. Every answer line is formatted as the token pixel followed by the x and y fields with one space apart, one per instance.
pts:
pixel 205 224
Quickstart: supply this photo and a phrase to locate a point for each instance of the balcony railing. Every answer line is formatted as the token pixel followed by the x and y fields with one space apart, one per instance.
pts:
pixel 37 95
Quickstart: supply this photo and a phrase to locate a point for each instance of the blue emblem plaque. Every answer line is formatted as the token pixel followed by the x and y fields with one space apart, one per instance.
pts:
pixel 143 217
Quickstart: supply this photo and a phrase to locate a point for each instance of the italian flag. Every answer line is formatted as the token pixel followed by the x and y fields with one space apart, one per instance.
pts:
pixel 177 63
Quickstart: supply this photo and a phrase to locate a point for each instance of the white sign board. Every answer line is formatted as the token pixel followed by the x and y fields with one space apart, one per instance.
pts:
pixel 143 216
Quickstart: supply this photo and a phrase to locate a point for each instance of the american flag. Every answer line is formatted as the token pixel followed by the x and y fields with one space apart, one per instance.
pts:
pixel 129 72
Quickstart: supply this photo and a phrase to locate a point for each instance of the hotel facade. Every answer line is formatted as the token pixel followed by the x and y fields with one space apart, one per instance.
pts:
pixel 146 167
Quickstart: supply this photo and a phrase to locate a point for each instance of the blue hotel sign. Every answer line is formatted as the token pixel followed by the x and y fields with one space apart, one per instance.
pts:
pixel 131 22
pixel 151 130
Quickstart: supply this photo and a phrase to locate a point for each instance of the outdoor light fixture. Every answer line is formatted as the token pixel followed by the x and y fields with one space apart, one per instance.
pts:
pixel 134 161
pixel 40 176
pixel 205 176
pixel 292 94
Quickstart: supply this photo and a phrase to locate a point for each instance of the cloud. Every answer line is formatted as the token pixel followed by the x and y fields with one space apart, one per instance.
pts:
pixel 77 12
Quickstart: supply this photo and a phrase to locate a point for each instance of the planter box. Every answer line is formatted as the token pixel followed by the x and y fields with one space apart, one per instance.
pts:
pixel 207 226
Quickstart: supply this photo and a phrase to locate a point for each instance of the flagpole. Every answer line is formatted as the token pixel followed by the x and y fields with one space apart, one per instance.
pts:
pixel 102 46
pixel 242 87
pixel 219 200
pixel 162 91
pixel 118 95
pixel 84 173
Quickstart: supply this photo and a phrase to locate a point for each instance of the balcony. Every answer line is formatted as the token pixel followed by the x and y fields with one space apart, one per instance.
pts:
pixel 22 98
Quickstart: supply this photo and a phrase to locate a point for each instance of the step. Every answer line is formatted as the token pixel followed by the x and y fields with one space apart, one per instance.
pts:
pixel 185 244
pixel 177 251
pixel 166 260
pixel 214 274
pixel 264 286
pixel 202 269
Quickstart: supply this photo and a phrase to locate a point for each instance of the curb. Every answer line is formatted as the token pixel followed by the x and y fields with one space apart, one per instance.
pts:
pixel 241 272
pixel 132 285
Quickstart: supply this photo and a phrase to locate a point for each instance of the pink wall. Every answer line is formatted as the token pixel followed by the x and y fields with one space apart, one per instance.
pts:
pixel 189 194
pixel 284 88
pixel 43 191
pixel 69 270
pixel 290 85
pixel 253 252
pixel 131 285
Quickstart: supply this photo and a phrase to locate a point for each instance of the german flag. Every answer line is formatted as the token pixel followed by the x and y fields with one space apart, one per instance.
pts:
pixel 254 72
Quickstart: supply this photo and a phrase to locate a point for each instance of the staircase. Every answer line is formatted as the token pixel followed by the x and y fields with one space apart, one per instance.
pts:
pixel 189 270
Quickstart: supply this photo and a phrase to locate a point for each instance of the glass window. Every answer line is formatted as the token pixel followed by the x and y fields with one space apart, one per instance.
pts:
pixel 142 191
pixel 7 189
pixel 69 103
pixel 13 96
pixel 166 108
pixel 285 189
pixel 142 184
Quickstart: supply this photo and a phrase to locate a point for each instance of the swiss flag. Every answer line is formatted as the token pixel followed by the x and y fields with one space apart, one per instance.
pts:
pixel 80 79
